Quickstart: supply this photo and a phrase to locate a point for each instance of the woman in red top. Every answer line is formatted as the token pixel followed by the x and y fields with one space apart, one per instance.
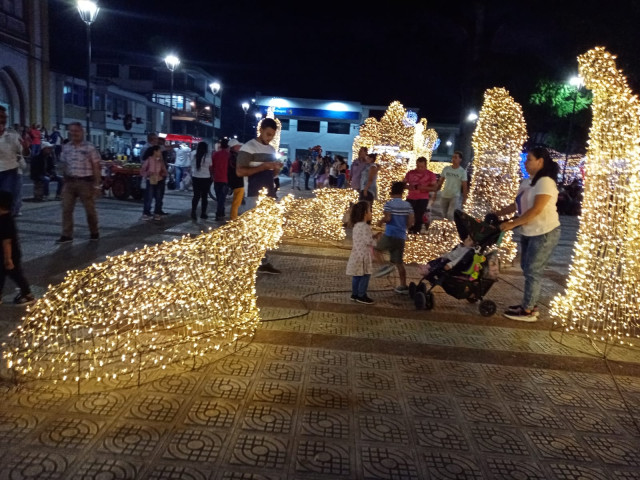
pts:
pixel 420 182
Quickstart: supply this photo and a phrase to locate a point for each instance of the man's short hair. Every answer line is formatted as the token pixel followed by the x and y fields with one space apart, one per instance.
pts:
pixel 6 199
pixel 224 143
pixel 421 160
pixel 75 124
pixel 459 154
pixel 397 188
pixel 151 136
pixel 268 123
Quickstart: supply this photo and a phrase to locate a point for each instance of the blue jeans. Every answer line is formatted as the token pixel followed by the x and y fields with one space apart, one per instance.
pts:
pixel 221 196
pixel 152 192
pixel 359 285
pixel 11 182
pixel 536 252
pixel 342 179
pixel 179 172
pixel 46 180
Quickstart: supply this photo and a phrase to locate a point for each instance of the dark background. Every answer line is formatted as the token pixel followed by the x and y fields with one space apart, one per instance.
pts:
pixel 436 56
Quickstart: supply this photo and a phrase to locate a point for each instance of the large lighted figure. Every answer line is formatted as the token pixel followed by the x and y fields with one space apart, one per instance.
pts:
pixel 173 304
pixel 497 144
pixel 602 298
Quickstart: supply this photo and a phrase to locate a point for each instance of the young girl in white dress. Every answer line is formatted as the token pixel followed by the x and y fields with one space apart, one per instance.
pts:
pixel 359 264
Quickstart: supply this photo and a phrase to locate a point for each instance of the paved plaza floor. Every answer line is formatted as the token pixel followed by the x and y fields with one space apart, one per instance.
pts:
pixel 328 388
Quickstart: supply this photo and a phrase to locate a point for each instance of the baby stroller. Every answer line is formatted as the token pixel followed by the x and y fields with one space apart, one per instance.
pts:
pixel 471 278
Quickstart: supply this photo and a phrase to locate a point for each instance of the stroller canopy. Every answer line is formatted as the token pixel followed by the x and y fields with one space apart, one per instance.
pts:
pixel 483 234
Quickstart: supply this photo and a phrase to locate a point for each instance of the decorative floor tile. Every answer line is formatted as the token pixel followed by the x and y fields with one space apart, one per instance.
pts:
pixel 275 392
pixel 519 392
pixel 323 458
pixel 27 465
pixel 259 451
pixel 460 369
pixel 382 429
pixel 329 375
pixel 171 472
pixel 626 475
pixel 536 416
pixel 432 407
pixel 224 387
pixel 246 476
pixel 440 435
pixel 576 472
pixel 328 357
pixel 68 433
pixel 418 365
pixel 422 384
pixel 282 371
pixel 375 380
pixel 106 468
pixel 608 399
pixel 625 420
pixel 564 397
pixel 326 397
pixel 45 398
pixel 378 403
pixel 253 350
pixel 629 384
pixel 378 362
pixel 325 424
pixel 559 446
pixel 499 440
pixel 183 384
pixel 212 413
pixel 131 439
pixel 387 463
pixel 286 353
pixel 478 411
pixel 464 387
pixel 15 426
pixel 156 408
pixel 235 366
pixel 615 451
pixel 451 466
pixel 103 403
pixel 593 381
pixel 195 445
pixel 267 418
pixel 590 421
pixel 502 469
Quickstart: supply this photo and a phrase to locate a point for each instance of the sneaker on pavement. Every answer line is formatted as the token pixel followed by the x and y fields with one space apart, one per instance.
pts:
pixel 366 300
pixel 24 299
pixel 64 239
pixel 268 269
pixel 204 216
pixel 354 298
pixel 157 216
pixel 94 237
pixel 386 270
pixel 518 308
pixel 402 289
pixel 521 315
pixel 146 217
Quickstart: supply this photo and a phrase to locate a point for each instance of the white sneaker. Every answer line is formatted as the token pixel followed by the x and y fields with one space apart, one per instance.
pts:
pixel 146 217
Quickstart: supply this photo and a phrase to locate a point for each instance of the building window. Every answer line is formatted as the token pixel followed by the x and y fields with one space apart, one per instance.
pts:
pixel 140 73
pixel 339 128
pixel 107 70
pixel 285 123
pixel 308 126
pixel 75 95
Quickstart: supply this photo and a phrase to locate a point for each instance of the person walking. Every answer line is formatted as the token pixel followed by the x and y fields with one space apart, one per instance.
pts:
pixel 257 161
pixel 36 139
pixel 220 175
pixel 82 179
pixel 368 179
pixel 539 223
pixel 359 265
pixel 201 175
pixel 43 170
pixel 341 167
pixel 356 168
pixel 153 173
pixel 11 150
pixel 296 167
pixel 318 171
pixel 420 181
pixel 182 163
pixel 455 181
pixel 236 183
pixel 307 169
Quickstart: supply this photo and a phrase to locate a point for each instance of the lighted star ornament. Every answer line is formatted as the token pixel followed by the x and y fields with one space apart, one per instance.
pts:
pixel 602 298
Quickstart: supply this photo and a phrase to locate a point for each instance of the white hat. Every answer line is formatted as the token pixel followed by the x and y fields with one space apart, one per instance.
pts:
pixel 46 145
pixel 234 143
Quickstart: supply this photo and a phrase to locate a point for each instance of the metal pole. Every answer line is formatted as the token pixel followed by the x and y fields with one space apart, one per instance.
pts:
pixel 244 127
pixel 171 106
pixel 214 120
pixel 566 155
pixel 89 96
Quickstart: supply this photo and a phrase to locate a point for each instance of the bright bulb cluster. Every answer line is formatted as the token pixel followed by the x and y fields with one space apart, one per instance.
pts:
pixel 602 298
pixel 440 238
pixel 173 303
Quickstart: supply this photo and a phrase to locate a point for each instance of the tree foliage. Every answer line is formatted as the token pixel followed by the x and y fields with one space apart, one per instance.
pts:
pixel 559 97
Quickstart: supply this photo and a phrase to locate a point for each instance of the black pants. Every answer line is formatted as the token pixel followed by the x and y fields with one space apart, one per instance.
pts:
pixel 16 275
pixel 419 207
pixel 307 175
pixel 201 188
pixel 221 196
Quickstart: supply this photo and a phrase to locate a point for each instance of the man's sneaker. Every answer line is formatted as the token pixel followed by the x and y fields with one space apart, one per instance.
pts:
pixel 268 269
pixel 204 216
pixel 517 308
pixel 354 298
pixel 521 315
pixel 94 237
pixel 64 239
pixel 24 299
pixel 146 217
pixel 366 300
pixel 386 270
pixel 157 216
pixel 402 289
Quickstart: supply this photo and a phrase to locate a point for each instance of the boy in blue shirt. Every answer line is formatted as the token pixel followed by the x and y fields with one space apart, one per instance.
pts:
pixel 398 216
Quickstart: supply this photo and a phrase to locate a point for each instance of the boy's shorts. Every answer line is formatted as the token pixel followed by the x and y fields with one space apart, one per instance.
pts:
pixel 393 245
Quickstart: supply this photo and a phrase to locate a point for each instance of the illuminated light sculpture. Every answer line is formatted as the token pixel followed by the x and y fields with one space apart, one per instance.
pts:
pixel 319 218
pixel 440 238
pixel 173 304
pixel 497 144
pixel 602 297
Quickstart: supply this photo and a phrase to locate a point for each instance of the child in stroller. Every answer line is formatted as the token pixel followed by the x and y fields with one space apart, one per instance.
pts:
pixel 465 272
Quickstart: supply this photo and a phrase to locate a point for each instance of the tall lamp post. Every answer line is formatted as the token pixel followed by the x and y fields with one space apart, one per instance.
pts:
pixel 215 88
pixel 245 107
pixel 577 83
pixel 172 62
pixel 88 11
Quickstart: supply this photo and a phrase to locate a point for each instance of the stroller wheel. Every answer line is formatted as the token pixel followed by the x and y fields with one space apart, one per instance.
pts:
pixel 487 308
pixel 420 300
pixel 422 287
pixel 413 288
pixel 430 301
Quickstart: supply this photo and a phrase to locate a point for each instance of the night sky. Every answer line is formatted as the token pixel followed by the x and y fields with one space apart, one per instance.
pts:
pixel 437 56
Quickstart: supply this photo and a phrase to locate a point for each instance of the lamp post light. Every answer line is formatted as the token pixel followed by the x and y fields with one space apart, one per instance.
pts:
pixel 172 62
pixel 88 11
pixel 215 88
pixel 577 83
pixel 472 117
pixel 245 107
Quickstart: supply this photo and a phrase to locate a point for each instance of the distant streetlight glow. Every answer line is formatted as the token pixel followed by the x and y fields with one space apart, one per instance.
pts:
pixel 215 87
pixel 172 62
pixel 258 116
pixel 449 143
pixel 472 117
pixel 245 107
pixel 88 11
pixel 576 81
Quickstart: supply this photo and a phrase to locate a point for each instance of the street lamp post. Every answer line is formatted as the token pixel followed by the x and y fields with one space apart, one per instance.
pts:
pixel 215 88
pixel 577 83
pixel 245 107
pixel 172 62
pixel 88 11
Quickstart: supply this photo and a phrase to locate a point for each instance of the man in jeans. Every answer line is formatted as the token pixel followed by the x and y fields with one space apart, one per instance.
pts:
pixel 455 181
pixel 219 173
pixel 82 179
